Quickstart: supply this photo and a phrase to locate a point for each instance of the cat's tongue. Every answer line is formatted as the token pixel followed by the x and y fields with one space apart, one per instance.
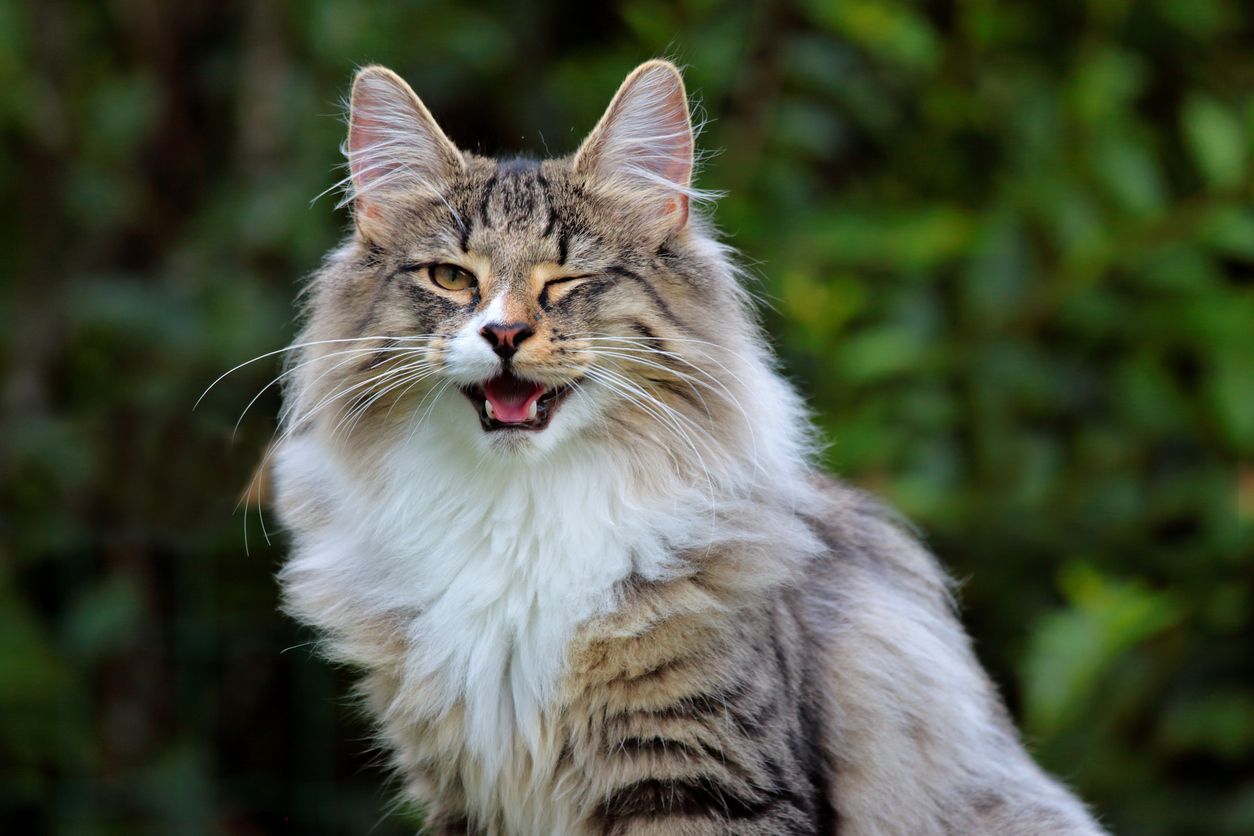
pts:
pixel 512 400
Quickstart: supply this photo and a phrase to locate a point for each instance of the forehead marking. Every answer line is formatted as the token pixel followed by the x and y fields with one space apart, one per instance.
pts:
pixel 515 197
pixel 488 188
pixel 463 239
pixel 548 202
pixel 554 223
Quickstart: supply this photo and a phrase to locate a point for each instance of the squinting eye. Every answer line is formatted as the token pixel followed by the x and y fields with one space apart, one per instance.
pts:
pixel 451 277
pixel 566 283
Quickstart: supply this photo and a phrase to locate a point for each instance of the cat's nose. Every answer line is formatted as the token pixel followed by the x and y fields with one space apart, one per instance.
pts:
pixel 505 337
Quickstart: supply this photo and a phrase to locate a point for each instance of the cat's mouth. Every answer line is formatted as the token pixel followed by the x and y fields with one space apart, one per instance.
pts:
pixel 508 402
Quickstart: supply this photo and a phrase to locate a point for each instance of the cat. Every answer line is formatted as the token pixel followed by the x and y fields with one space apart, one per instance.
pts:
pixel 548 493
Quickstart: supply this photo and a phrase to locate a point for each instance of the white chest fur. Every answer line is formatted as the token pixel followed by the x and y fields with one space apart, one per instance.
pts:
pixel 486 563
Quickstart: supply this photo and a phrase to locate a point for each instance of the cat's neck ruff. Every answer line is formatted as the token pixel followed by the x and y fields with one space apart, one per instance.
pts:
pixel 486 562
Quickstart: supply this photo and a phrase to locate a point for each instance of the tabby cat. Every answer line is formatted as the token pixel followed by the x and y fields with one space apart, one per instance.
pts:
pixel 550 496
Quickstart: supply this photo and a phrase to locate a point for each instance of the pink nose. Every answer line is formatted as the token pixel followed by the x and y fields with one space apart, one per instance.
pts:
pixel 505 337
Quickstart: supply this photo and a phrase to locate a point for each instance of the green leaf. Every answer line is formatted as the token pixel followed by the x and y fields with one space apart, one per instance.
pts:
pixel 1230 231
pixel 894 31
pixel 1131 175
pixel 1216 140
pixel 1222 723
pixel 1074 648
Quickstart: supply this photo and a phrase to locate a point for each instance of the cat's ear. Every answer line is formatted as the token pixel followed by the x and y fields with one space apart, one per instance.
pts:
pixel 644 143
pixel 394 145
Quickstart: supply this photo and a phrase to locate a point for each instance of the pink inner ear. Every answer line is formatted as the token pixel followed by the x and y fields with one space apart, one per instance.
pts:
pixel 394 146
pixel 361 135
pixel 644 142
pixel 678 166
pixel 678 206
pixel 367 132
pixel 361 132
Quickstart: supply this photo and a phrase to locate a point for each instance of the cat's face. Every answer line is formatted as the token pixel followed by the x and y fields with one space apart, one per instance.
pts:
pixel 544 298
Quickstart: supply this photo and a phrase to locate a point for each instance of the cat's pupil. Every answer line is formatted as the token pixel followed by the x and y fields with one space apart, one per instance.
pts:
pixel 450 277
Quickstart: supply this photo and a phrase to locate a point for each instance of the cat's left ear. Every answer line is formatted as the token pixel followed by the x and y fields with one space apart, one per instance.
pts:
pixel 643 144
pixel 395 149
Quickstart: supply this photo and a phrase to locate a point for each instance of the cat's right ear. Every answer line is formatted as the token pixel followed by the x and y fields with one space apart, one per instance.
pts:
pixel 643 145
pixel 394 145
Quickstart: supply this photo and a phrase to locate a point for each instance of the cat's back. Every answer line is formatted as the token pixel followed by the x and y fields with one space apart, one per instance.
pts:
pixel 914 733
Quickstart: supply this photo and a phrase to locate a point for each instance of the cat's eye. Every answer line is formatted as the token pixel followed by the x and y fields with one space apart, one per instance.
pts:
pixel 451 277
pixel 555 289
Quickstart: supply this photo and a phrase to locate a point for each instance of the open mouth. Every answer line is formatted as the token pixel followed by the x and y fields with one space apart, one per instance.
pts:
pixel 507 402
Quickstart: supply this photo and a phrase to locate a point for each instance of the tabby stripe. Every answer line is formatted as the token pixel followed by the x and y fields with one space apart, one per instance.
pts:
pixel 426 301
pixel 487 196
pixel 589 290
pixel 702 795
pixel 812 760
pixel 656 745
pixel 656 297
pixel 680 390
pixel 372 257
pixel 656 672
pixel 646 332
pixel 548 202
pixel 698 705
pixel 382 355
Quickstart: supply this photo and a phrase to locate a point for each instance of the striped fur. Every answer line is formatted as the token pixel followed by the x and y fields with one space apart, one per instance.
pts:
pixel 652 616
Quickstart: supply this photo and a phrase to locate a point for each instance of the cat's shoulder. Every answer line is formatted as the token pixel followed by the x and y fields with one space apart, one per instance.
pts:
pixel 869 542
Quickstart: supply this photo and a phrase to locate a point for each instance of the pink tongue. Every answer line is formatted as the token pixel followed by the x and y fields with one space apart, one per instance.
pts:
pixel 511 398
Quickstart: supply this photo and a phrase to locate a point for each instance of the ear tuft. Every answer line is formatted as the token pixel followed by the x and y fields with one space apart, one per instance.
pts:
pixel 394 144
pixel 644 142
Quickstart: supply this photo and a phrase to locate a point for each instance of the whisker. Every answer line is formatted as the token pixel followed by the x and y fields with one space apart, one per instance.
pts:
pixel 626 387
pixel 632 354
pixel 352 352
pixel 435 396
pixel 291 425
pixel 335 394
pixel 412 375
pixel 640 344
pixel 374 386
pixel 653 399
pixel 296 346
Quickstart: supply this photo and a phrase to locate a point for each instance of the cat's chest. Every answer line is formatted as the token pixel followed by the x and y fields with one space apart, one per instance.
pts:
pixel 479 579
pixel 496 601
pixel 498 598
pixel 459 591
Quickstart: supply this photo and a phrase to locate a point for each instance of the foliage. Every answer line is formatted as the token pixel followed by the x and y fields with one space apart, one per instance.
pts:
pixel 1005 248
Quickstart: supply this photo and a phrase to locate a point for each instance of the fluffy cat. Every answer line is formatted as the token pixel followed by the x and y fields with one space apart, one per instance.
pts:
pixel 549 495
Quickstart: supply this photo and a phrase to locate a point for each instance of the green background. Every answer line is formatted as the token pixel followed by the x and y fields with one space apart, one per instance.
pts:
pixel 1005 249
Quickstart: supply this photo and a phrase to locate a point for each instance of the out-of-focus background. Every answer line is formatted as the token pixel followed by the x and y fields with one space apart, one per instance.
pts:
pixel 1008 249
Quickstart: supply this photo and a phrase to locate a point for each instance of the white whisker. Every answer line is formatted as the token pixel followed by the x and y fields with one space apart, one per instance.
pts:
pixel 297 346
pixel 352 353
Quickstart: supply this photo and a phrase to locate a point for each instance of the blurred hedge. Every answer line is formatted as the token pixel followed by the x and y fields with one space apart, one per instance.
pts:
pixel 1005 248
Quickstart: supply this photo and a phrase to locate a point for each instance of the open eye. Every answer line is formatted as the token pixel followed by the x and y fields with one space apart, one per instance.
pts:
pixel 451 277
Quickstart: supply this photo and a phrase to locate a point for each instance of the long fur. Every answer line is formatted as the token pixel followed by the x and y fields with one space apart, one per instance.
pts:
pixel 653 616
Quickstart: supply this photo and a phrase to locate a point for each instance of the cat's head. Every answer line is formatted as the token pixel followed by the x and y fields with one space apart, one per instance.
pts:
pixel 528 302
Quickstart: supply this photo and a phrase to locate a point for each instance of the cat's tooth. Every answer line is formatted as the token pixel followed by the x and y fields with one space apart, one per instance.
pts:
pixel 532 410
pixel 487 407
